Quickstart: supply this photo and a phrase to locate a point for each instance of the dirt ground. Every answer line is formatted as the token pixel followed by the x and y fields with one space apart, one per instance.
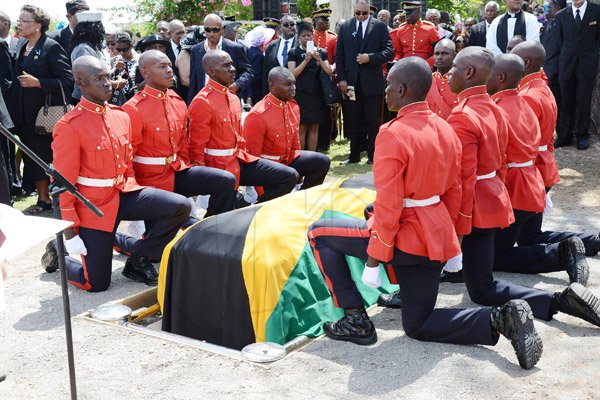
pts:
pixel 114 363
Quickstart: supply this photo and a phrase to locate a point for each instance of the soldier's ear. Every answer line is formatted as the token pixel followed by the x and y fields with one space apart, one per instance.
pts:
pixel 527 62
pixel 502 77
pixel 469 72
pixel 402 90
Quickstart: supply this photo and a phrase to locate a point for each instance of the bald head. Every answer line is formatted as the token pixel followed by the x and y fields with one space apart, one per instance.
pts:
pixel 446 44
pixel 219 67
pixel 151 57
pixel 85 66
pixel 212 58
pixel 533 55
pixel 213 19
pixel 506 74
pixel 472 67
pixel 408 81
pixel 515 40
pixel 280 73
pixel 157 70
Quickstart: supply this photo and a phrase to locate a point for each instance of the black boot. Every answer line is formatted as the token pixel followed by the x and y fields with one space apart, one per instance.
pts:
pixel 578 301
pixel 50 257
pixel 140 269
pixel 390 300
pixel 514 320
pixel 355 327
pixel 571 256
pixel 451 277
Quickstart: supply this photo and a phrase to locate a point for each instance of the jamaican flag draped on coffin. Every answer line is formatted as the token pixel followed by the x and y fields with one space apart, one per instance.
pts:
pixel 249 275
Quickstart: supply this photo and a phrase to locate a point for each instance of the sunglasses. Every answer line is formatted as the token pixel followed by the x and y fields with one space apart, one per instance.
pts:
pixel 289 25
pixel 125 50
pixel 212 30
pixel 359 13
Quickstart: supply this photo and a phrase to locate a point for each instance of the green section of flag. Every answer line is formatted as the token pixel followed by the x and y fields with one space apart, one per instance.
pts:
pixel 306 303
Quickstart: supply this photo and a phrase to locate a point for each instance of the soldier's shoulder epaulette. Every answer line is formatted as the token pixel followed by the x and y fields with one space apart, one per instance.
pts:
pixel 333 33
pixel 403 24
pixel 428 23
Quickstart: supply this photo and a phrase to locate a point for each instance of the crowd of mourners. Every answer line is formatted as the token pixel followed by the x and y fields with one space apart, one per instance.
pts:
pixel 459 122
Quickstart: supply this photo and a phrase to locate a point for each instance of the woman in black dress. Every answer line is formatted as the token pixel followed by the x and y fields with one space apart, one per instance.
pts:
pixel 41 68
pixel 306 68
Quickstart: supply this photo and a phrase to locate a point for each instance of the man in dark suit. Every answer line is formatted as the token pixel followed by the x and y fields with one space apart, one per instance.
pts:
pixel 276 53
pixel 579 37
pixel 63 36
pixel 363 46
pixel 550 40
pixel 176 32
pixel 5 35
pixel 213 29
pixel 479 31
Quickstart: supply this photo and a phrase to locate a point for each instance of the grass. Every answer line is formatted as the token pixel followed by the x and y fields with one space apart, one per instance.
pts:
pixel 338 152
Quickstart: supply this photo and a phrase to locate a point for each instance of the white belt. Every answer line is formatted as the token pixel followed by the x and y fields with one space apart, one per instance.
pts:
pixel 268 157
pixel 486 176
pixel 543 148
pixel 220 152
pixel 99 182
pixel 155 160
pixel 408 203
pixel 520 165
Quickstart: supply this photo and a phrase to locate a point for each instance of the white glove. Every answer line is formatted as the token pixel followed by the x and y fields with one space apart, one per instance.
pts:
pixel 75 246
pixel 371 277
pixel 454 264
pixel 136 229
pixel 202 201
pixel 250 195
pixel 549 205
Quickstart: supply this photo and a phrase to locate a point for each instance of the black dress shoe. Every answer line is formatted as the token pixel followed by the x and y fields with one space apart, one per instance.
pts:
pixel 355 327
pixel 514 320
pixel 571 256
pixel 562 142
pixel 140 269
pixel 583 144
pixel 390 300
pixel 451 277
pixel 578 301
pixel 50 257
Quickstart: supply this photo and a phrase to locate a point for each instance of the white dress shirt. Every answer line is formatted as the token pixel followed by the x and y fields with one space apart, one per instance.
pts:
pixel 175 48
pixel 364 25
pixel 532 30
pixel 581 9
pixel 280 49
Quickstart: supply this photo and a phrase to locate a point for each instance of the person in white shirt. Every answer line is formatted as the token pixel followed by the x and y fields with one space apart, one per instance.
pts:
pixel 514 22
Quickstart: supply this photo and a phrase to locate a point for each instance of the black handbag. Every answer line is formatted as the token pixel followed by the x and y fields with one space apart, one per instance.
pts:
pixel 49 115
pixel 331 92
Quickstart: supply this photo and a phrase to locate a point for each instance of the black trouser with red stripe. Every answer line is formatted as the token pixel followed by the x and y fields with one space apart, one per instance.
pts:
pixel 478 268
pixel 532 234
pixel 166 210
pixel 334 239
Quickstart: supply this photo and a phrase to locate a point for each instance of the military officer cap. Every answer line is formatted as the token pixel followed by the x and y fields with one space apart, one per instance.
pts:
pixel 322 13
pixel 271 22
pixel 409 6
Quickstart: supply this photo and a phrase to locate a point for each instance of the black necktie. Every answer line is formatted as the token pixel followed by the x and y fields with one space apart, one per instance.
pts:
pixel 578 18
pixel 359 32
pixel 284 53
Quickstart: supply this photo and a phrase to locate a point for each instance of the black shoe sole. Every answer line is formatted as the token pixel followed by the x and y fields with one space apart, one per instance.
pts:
pixel 137 278
pixel 362 341
pixel 525 339
pixel 50 258
pixel 387 304
pixel 586 300
pixel 452 277
pixel 579 271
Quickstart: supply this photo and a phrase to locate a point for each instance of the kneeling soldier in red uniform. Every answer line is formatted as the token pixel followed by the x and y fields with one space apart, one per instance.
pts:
pixel 216 135
pixel 92 148
pixel 271 130
pixel 417 180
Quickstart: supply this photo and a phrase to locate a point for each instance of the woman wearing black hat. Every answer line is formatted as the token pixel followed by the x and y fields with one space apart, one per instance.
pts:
pixel 306 65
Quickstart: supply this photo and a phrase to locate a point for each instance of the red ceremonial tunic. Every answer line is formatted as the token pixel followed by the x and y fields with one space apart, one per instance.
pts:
pixel 417 156
pixel 415 40
pixel 482 130
pixel 524 182
pixel 158 130
pixel 440 98
pixel 215 127
pixel 93 141
pixel 541 100
pixel 326 40
pixel 271 130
